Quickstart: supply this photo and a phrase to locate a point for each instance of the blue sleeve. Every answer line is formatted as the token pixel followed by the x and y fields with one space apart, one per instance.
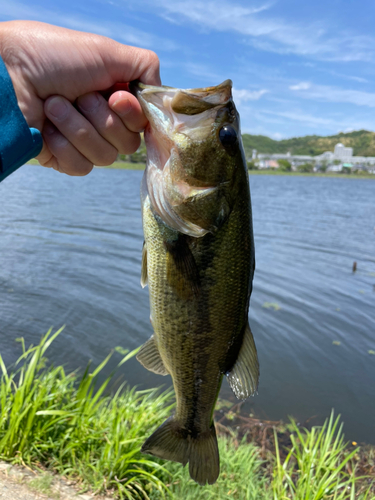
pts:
pixel 18 142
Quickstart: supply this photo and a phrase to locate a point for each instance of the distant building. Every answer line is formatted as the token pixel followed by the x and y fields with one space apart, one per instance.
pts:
pixel 334 168
pixel 268 164
pixel 340 154
pixel 328 156
pixel 344 155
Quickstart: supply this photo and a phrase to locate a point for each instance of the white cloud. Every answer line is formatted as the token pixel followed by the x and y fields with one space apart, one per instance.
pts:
pixel 203 72
pixel 301 116
pixel 301 86
pixel 244 95
pixel 277 136
pixel 119 31
pixel 268 33
pixel 349 77
pixel 329 93
pixel 269 122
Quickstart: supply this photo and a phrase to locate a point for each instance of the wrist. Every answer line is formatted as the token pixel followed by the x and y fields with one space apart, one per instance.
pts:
pixel 18 143
pixel 14 58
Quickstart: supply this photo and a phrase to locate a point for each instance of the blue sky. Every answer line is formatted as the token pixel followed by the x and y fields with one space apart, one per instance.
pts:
pixel 298 67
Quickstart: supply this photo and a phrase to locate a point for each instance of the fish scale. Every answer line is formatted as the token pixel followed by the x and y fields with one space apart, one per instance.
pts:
pixel 199 264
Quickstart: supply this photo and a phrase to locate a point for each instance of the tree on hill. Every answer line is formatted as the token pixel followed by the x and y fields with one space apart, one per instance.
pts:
pixel 362 142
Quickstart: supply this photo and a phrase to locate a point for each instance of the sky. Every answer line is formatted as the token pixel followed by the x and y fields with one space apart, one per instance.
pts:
pixel 298 67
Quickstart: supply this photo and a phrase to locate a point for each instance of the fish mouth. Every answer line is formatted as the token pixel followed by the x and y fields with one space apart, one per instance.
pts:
pixel 177 118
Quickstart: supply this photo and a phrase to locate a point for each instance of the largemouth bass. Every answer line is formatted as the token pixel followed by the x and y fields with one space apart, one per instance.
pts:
pixel 198 261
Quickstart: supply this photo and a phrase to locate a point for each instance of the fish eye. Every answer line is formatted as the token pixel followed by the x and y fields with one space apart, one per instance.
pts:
pixel 228 138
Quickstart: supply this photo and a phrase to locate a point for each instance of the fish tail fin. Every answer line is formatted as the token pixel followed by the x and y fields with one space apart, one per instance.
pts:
pixel 204 462
pixel 169 442
pixel 172 442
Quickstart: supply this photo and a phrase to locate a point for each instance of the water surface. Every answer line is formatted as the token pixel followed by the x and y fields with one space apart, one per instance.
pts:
pixel 70 253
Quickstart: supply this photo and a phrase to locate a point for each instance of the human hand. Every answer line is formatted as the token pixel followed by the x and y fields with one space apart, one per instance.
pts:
pixel 56 72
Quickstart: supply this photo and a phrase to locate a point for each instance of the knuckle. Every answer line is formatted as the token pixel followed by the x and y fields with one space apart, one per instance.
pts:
pixel 131 145
pixel 84 169
pixel 82 135
pixel 107 157
pixel 154 60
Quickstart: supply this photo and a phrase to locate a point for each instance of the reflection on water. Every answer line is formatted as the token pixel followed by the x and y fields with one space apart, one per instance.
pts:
pixel 70 253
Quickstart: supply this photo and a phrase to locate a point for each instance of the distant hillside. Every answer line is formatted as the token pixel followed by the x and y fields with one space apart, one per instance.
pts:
pixel 362 142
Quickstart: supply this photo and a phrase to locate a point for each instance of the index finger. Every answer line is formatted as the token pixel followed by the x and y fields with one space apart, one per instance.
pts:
pixel 125 63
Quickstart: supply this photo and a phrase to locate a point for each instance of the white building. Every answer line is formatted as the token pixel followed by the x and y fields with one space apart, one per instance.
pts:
pixel 342 153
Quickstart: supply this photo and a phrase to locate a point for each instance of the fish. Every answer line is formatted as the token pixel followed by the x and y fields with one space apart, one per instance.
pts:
pixel 198 261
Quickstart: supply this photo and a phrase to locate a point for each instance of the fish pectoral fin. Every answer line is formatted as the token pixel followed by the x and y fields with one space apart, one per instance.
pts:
pixel 149 357
pixel 243 378
pixel 172 442
pixel 144 279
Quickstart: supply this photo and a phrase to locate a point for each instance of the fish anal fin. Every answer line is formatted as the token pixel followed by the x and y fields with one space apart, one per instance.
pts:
pixel 149 357
pixel 243 377
pixel 172 442
pixel 144 278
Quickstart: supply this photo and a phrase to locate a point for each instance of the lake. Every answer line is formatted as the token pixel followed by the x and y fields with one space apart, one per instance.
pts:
pixel 70 254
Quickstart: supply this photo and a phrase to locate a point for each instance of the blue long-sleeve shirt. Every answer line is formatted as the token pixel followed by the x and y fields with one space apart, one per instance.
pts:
pixel 18 142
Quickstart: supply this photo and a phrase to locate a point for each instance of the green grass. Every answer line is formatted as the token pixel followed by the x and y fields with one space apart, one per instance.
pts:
pixel 42 484
pixel 57 420
pixel 241 476
pixel 67 424
pixel 314 468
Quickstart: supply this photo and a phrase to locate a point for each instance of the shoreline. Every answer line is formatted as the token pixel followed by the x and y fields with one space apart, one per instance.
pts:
pixel 66 426
pixel 273 440
pixel 119 165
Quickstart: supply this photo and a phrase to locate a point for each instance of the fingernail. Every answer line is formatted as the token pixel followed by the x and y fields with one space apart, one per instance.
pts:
pixel 88 102
pixel 57 108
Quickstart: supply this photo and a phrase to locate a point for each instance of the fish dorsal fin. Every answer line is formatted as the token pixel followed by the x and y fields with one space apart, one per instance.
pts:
pixel 243 378
pixel 149 357
pixel 144 279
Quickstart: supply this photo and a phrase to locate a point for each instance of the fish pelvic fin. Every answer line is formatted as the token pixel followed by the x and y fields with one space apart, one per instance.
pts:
pixel 172 442
pixel 144 279
pixel 149 357
pixel 243 378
